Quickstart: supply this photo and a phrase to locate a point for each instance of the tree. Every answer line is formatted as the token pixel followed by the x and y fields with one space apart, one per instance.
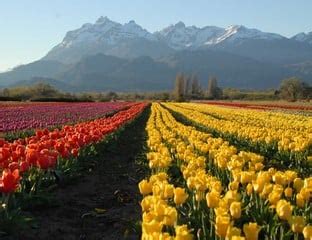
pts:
pixel 307 91
pixel 44 90
pixel 187 83
pixel 179 88
pixel 6 92
pixel 195 87
pixel 112 96
pixel 213 91
pixel 292 89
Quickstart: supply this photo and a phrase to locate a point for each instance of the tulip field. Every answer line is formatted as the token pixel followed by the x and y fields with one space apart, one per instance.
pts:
pixel 31 164
pixel 208 171
pixel 15 117
pixel 205 181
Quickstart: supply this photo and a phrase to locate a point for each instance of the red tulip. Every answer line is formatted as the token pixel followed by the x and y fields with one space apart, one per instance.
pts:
pixel 4 154
pixel 24 166
pixel 2 142
pixel 13 166
pixel 31 156
pixel 9 181
pixel 43 161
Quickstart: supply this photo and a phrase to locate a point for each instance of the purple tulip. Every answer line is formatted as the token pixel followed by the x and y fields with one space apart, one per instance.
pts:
pixel 41 115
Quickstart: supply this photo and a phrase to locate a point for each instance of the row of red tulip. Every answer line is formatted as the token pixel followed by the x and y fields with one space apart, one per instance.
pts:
pixel 44 148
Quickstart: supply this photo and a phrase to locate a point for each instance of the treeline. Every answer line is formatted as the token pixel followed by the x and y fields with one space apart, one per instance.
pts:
pixel 291 89
pixel 39 92
pixel 186 88
pixel 44 92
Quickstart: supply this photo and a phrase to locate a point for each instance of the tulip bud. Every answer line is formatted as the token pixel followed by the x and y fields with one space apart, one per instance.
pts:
pixel 300 200
pixel 288 192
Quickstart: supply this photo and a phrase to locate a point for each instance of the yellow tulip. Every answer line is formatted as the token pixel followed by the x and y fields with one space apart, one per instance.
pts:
pixel 288 192
pixel 274 197
pixel 183 233
pixel 180 195
pixel 300 200
pixel 308 182
pixel 170 216
pixel 146 203
pixel 213 199
pixel 307 232
pixel 145 187
pixel 221 211
pixel 259 166
pixel 251 231
pixel 234 185
pixel 238 238
pixel 231 232
pixel 298 184
pixel 297 223
pixel 249 189
pixel 232 196
pixel 168 191
pixel 246 177
pixel 291 175
pixel 306 193
pixel 279 178
pixel 235 209
pixel 151 227
pixel 268 188
pixel 283 209
pixel 221 226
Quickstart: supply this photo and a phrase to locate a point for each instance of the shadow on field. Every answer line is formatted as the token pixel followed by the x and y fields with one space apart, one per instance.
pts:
pixel 104 202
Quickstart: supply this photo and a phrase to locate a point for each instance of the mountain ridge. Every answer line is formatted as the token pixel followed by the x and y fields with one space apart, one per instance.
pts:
pixel 105 36
pixel 135 58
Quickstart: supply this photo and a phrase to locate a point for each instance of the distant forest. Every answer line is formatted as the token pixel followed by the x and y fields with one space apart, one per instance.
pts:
pixel 186 88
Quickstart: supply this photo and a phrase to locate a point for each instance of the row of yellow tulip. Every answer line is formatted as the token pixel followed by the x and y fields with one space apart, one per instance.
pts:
pixel 193 149
pixel 291 132
pixel 275 120
pixel 159 218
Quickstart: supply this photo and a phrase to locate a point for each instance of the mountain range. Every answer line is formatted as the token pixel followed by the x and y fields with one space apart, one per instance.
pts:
pixel 108 55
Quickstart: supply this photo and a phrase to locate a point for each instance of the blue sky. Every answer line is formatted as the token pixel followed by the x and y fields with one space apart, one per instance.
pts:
pixel 30 28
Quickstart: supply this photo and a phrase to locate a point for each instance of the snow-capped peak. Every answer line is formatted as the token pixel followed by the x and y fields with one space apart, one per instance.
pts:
pixel 107 34
pixel 228 32
pixel 240 32
pixel 179 36
pixel 132 28
pixel 105 30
